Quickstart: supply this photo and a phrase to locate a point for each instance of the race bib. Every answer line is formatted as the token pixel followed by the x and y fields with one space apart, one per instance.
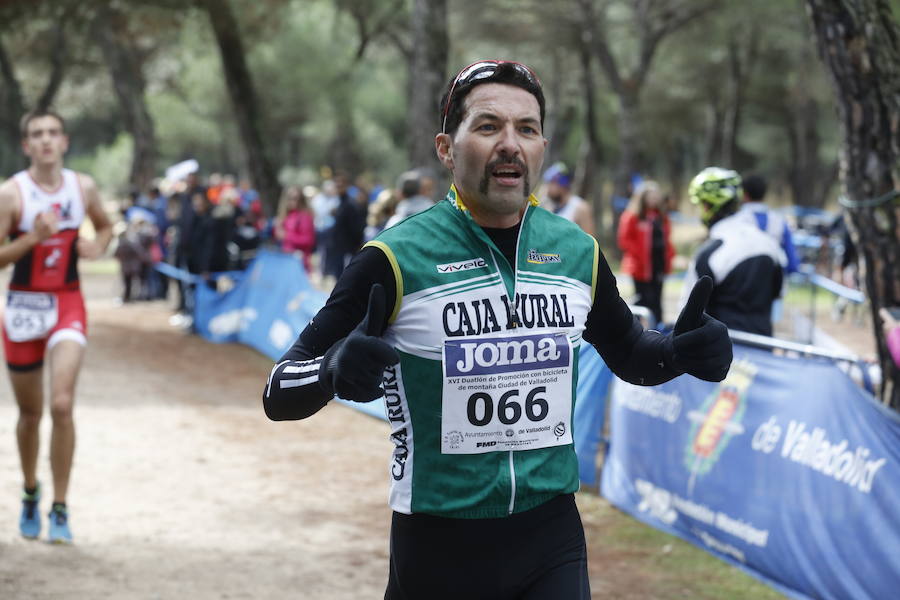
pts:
pixel 509 393
pixel 29 315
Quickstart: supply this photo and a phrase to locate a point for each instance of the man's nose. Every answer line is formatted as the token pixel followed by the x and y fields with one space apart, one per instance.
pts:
pixel 508 144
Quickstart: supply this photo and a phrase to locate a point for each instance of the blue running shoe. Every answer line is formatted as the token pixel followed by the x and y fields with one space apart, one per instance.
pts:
pixel 59 525
pixel 30 521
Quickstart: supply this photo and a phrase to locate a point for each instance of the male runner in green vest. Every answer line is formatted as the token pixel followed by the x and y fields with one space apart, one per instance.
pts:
pixel 467 318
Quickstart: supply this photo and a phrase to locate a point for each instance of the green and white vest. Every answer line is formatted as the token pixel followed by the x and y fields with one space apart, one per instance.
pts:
pixel 481 402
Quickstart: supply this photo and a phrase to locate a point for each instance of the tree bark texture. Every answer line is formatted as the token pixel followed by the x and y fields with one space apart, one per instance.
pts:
pixel 247 110
pixel 859 43
pixel 126 70
pixel 427 76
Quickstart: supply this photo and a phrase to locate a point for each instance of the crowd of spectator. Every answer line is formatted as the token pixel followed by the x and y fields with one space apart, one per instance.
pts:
pixel 207 225
pixel 203 226
pixel 199 226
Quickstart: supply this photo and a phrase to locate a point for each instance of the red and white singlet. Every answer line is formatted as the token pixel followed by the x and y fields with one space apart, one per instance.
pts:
pixel 44 305
pixel 51 265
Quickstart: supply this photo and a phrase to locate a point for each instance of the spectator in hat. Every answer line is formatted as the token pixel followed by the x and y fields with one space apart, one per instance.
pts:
pixel 563 202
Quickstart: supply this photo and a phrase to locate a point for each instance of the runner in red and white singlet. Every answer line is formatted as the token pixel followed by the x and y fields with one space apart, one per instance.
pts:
pixel 41 211
pixel 44 304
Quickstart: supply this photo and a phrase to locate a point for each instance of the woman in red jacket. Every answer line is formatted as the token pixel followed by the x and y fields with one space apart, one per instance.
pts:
pixel 294 227
pixel 645 240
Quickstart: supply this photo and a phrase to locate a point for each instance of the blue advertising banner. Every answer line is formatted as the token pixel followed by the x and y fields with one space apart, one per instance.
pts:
pixel 269 305
pixel 594 378
pixel 786 469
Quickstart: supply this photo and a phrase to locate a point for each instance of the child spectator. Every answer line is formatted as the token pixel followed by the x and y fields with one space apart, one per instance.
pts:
pixel 135 259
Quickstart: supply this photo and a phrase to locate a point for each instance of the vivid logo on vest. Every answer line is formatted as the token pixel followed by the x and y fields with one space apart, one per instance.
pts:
pixel 503 355
pixel 464 265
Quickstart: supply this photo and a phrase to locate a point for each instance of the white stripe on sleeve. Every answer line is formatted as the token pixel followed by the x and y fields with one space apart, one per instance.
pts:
pixel 291 374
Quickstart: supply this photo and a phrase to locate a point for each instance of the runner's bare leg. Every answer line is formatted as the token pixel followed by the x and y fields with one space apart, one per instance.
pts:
pixel 65 363
pixel 28 389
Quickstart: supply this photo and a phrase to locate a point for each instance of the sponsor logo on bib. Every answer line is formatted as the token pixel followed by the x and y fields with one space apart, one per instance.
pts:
pixel 492 355
pixel 540 258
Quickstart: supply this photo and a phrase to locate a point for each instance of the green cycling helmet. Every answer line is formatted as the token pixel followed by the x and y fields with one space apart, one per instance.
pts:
pixel 713 189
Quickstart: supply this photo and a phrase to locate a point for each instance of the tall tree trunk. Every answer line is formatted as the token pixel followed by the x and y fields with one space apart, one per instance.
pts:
pixel 246 105
pixel 859 42
pixel 427 74
pixel 588 182
pixel 741 60
pixel 629 141
pixel 677 158
pixel 715 131
pixel 558 123
pixel 558 132
pixel 126 70
pixel 57 65
pixel 805 169
pixel 344 153
pixel 13 107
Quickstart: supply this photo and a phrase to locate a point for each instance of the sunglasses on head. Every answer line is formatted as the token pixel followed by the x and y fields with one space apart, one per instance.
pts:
pixel 483 69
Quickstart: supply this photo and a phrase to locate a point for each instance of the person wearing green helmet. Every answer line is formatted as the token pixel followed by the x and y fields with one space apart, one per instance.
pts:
pixel 744 263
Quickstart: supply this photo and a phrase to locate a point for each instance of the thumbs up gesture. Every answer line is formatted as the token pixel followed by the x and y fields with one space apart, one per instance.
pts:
pixel 700 344
pixel 353 367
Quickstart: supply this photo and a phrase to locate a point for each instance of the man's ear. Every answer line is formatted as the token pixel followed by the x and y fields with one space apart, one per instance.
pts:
pixel 443 145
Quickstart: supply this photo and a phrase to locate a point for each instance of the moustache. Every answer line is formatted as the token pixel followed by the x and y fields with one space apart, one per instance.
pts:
pixel 504 160
pixel 514 160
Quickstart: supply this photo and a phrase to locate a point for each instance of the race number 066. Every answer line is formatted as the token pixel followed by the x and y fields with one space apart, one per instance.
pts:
pixel 509 410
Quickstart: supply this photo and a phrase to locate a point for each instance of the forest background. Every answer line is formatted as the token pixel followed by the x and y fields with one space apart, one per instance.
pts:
pixel 658 88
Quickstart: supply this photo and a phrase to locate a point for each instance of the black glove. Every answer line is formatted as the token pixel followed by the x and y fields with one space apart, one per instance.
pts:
pixel 353 368
pixel 700 345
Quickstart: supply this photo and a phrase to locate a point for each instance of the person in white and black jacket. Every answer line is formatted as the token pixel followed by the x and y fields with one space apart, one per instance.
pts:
pixel 745 264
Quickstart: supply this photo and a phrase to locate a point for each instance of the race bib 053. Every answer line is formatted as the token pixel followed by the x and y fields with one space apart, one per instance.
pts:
pixel 29 315
pixel 509 393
